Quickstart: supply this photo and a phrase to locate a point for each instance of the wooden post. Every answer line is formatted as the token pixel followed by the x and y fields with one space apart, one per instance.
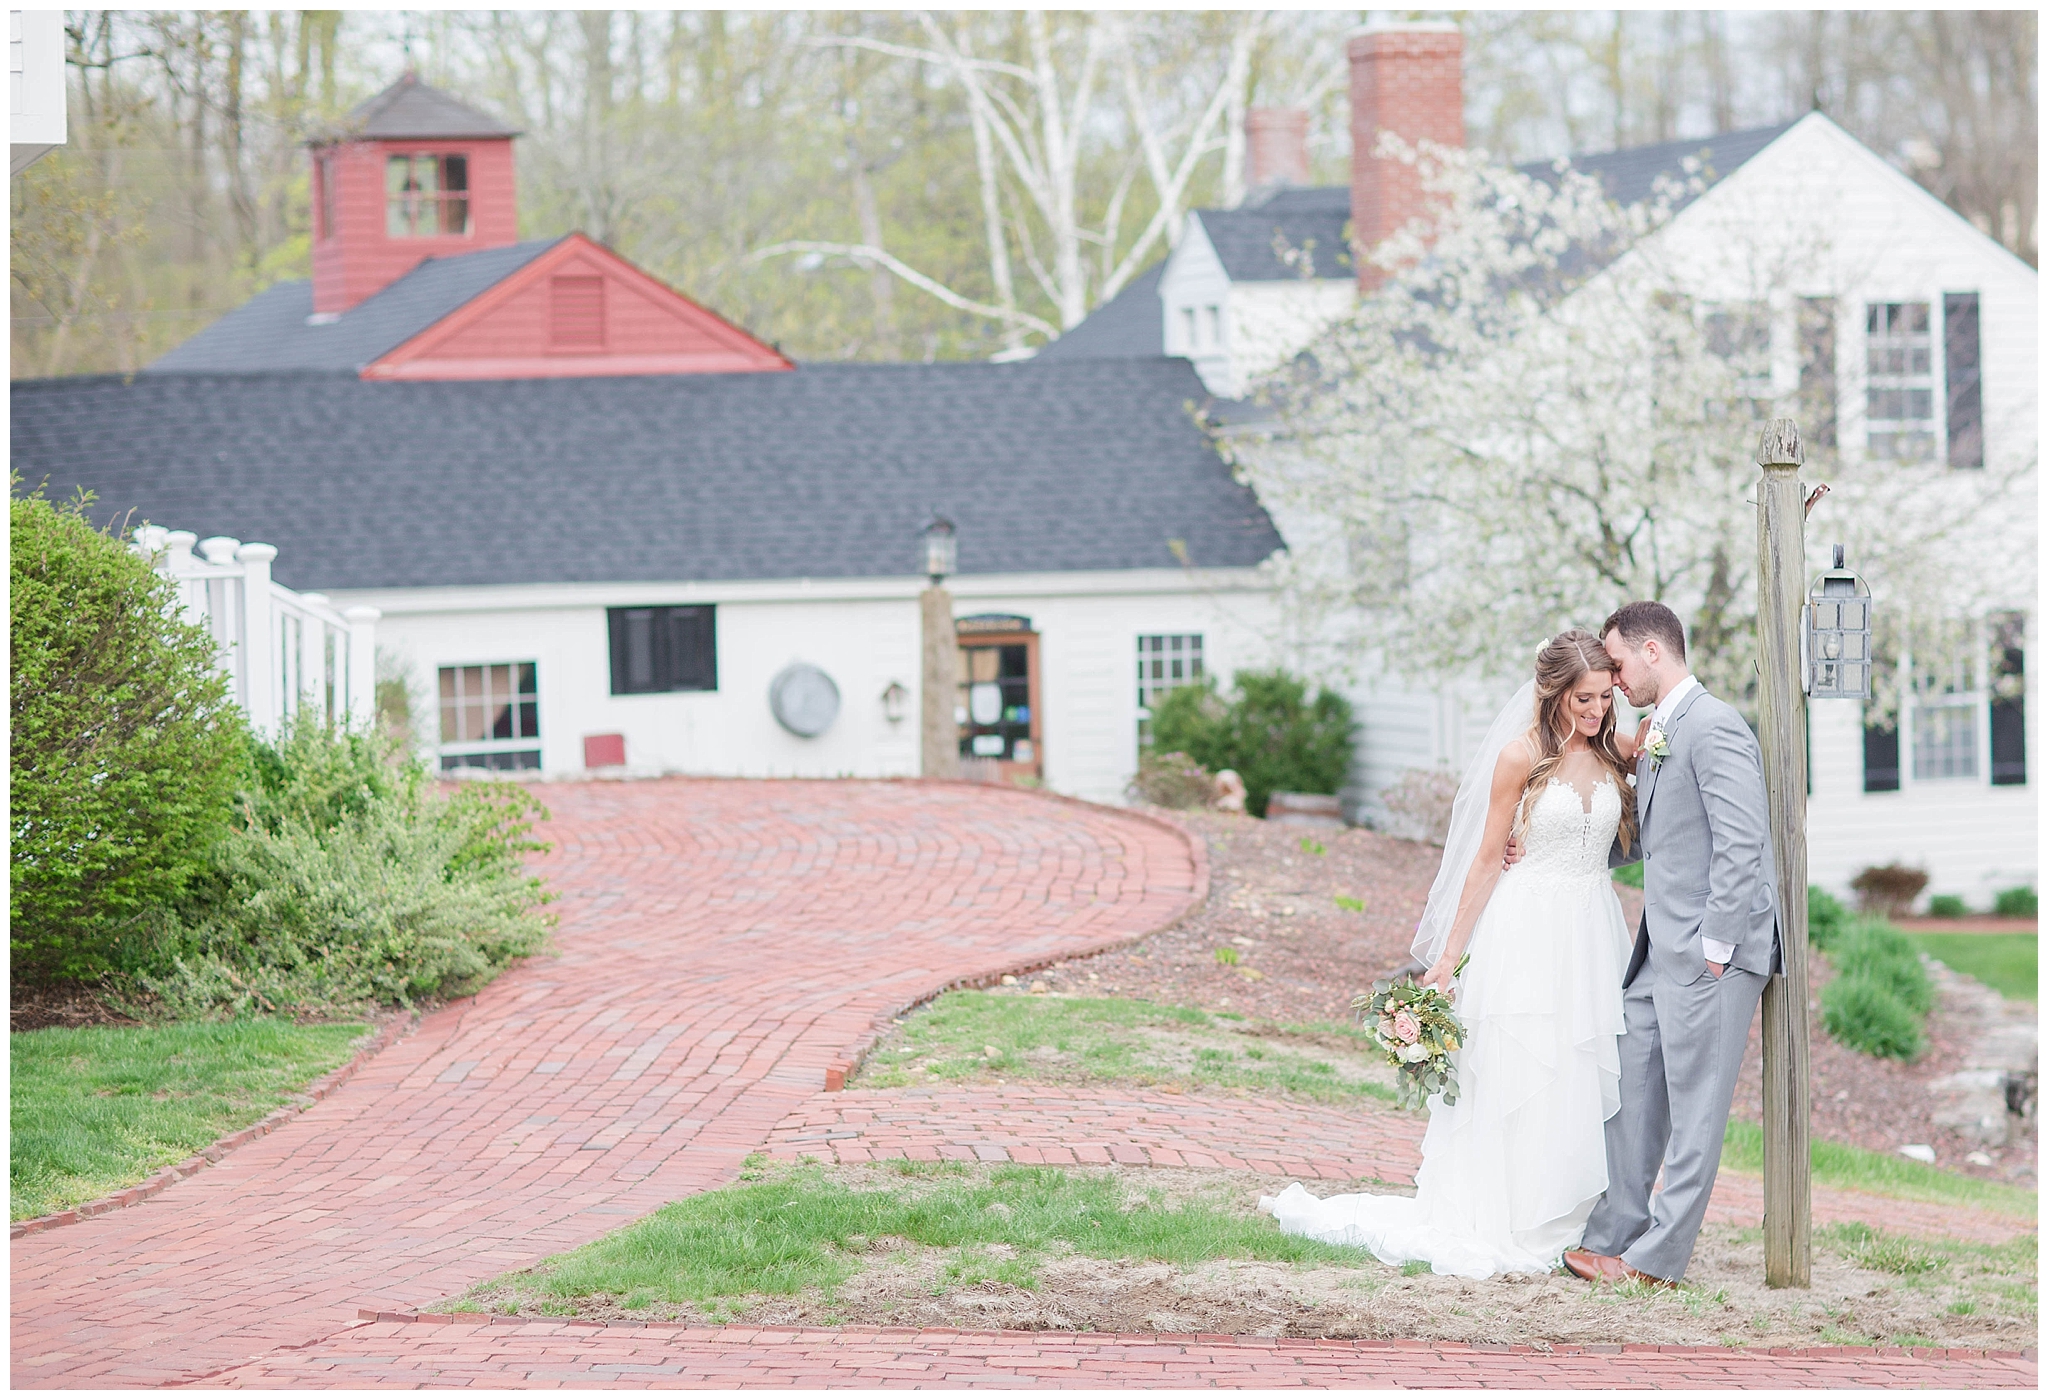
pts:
pixel 1781 594
pixel 939 689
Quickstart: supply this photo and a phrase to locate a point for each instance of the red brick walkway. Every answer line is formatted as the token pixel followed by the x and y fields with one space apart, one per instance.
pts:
pixel 413 1354
pixel 722 943
pixel 1082 1125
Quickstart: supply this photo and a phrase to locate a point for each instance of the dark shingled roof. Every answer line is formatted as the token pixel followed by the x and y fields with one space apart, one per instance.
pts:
pixel 1630 176
pixel 270 331
pixel 1294 232
pixel 829 471
pixel 409 110
pixel 1129 323
pixel 1309 222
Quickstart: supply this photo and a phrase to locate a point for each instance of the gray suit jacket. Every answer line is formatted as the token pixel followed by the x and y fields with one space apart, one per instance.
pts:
pixel 1704 827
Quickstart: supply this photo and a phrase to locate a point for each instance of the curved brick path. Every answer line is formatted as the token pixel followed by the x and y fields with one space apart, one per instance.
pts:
pixel 722 944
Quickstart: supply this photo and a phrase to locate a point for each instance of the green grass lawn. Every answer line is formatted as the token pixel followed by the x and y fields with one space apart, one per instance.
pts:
pixel 1857 1169
pixel 792 1228
pixel 2005 962
pixel 96 1109
pixel 975 1035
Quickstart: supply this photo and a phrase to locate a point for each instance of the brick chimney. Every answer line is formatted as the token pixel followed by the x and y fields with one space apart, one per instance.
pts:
pixel 1405 78
pixel 1276 146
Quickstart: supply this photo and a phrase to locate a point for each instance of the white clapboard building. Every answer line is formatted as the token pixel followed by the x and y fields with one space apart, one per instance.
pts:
pixel 1915 329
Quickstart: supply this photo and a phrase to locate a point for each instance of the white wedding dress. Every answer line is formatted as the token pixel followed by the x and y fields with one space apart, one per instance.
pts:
pixel 1511 1171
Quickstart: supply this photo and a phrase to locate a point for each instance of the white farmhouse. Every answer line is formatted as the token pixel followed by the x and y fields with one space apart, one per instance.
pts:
pixel 1907 337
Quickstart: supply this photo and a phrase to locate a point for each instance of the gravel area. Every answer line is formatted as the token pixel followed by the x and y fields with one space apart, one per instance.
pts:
pixel 1302 957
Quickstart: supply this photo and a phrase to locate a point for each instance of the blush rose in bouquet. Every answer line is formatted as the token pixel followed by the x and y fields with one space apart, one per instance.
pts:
pixel 1414 1028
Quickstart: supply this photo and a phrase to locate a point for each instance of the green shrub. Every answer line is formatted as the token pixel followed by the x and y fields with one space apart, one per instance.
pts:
pixel 1879 1000
pixel 1877 951
pixel 350 879
pixel 2015 903
pixel 127 748
pixel 1276 738
pixel 1865 1015
pixel 1825 916
pixel 1947 906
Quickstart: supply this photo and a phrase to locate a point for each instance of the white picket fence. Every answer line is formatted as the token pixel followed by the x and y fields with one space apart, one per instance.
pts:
pixel 285 651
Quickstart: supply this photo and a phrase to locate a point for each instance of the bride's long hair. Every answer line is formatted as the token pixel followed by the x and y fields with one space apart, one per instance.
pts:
pixel 1563 659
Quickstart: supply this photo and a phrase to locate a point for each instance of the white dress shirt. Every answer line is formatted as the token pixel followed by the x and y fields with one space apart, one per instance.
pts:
pixel 1716 951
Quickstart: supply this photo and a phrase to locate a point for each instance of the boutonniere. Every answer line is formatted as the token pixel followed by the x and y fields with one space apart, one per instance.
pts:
pixel 1657 747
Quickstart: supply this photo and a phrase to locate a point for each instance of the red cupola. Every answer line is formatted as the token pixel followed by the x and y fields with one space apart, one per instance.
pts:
pixel 411 174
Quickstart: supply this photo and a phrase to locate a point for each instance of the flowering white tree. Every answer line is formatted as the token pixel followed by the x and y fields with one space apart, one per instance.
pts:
pixel 1537 417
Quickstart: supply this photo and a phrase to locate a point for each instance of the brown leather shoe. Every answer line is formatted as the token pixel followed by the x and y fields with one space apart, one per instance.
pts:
pixel 1590 1266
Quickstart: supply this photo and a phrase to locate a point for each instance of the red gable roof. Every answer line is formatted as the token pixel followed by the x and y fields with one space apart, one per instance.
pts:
pixel 578 309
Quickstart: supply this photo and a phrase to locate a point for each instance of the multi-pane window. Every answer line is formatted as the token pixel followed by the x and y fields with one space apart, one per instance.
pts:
pixel 1899 386
pixel 1166 661
pixel 1945 740
pixel 655 650
pixel 426 195
pixel 490 716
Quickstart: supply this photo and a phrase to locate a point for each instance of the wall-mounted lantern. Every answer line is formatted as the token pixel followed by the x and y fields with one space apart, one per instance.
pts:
pixel 941 550
pixel 1838 609
pixel 894 701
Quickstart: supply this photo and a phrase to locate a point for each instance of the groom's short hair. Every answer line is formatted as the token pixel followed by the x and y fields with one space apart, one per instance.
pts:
pixel 1638 622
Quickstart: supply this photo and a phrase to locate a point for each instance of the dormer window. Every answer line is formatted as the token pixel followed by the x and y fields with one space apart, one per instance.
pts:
pixel 426 196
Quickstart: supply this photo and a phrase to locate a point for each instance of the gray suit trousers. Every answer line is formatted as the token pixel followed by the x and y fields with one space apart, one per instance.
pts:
pixel 1680 1057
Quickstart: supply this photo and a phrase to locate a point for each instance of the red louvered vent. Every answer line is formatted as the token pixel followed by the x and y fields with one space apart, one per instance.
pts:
pixel 577 319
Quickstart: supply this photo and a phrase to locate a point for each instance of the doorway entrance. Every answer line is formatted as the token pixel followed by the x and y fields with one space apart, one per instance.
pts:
pixel 1001 733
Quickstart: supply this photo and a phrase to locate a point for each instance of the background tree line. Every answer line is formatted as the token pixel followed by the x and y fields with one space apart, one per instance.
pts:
pixel 899 185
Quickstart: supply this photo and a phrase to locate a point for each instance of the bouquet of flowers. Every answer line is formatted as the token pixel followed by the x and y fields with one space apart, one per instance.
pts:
pixel 1416 1030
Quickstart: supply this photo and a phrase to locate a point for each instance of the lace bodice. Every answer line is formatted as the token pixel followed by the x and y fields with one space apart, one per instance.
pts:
pixel 1565 841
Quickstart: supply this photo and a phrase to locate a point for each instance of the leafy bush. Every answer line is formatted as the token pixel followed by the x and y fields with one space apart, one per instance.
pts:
pixel 1825 917
pixel 1172 780
pixel 1879 1000
pixel 1865 1016
pixel 2015 903
pixel 350 879
pixel 1888 891
pixel 1630 875
pixel 1947 906
pixel 127 748
pixel 1269 731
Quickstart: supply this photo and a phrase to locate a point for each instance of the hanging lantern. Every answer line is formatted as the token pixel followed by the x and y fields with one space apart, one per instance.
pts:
pixel 1838 635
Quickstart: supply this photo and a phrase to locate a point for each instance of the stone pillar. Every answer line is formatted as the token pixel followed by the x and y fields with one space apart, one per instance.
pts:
pixel 938 687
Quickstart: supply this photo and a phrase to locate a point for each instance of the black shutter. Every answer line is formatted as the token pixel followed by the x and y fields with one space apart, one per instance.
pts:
pixel 1880 758
pixel 2009 705
pixel 1817 370
pixel 663 649
pixel 1962 353
pixel 692 637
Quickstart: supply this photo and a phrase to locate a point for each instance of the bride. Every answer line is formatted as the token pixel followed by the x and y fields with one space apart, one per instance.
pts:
pixel 1511 1171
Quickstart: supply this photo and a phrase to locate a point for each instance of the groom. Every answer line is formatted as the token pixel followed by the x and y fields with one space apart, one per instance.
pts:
pixel 1707 943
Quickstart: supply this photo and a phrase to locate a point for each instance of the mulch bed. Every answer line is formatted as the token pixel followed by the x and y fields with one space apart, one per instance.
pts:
pixel 35 1009
pixel 1302 957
